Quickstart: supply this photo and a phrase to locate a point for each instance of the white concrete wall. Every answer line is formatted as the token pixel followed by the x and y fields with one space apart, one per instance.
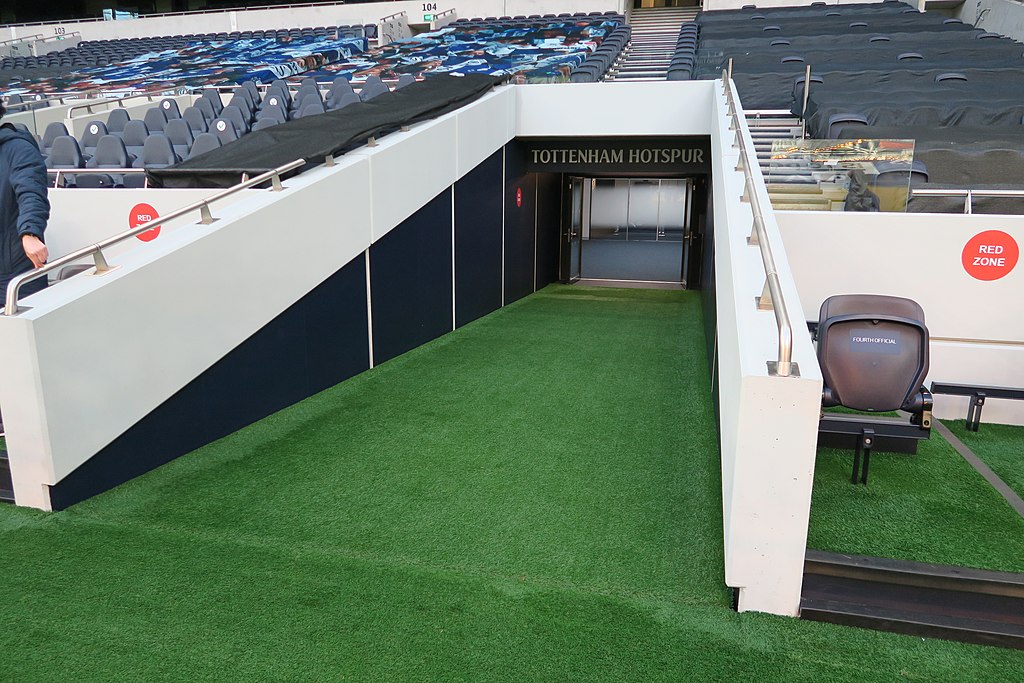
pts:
pixel 615 109
pixel 319 15
pixel 999 16
pixel 768 425
pixel 977 327
pixel 95 354
pixel 79 218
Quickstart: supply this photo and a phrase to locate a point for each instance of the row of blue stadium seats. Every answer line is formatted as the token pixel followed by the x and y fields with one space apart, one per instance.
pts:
pixel 598 62
pixel 563 15
pixel 105 52
pixel 185 38
pixel 685 55
pixel 166 135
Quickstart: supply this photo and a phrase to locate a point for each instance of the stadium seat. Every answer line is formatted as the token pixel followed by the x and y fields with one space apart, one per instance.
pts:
pixel 157 153
pixel 266 122
pixel 342 101
pixel 212 95
pixel 110 153
pixel 52 132
pixel 873 353
pixel 206 108
pixel 204 143
pixel 237 117
pixel 373 87
pixel 134 136
pixel 94 130
pixel 155 119
pixel 243 105
pixel 404 80
pixel 311 108
pixel 170 108
pixel 225 130
pixel 65 154
pixel 196 120
pixel 180 136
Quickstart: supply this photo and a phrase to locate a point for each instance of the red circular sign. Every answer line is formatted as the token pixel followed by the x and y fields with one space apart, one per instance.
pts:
pixel 140 214
pixel 519 196
pixel 990 255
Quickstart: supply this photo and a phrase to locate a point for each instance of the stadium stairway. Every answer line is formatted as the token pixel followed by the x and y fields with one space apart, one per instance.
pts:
pixel 930 600
pixel 795 190
pixel 655 32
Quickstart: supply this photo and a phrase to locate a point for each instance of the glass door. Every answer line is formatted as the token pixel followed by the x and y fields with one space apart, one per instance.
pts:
pixel 572 256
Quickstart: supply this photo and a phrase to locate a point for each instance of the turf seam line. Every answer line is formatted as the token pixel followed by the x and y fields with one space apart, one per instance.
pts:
pixel 403 563
pixel 984 470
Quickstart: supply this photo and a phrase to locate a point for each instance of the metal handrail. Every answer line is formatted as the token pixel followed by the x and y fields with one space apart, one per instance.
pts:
pixel 30 105
pixel 392 16
pixel 967 193
pixel 116 101
pixel 96 250
pixel 22 39
pixel 58 172
pixel 784 366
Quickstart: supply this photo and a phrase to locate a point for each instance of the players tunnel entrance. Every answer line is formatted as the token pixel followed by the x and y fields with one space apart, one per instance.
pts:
pixel 627 210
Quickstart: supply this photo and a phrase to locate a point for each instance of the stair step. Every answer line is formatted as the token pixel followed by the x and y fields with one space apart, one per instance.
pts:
pixel 936 613
pixel 920 574
pixel 638 78
pixel 940 601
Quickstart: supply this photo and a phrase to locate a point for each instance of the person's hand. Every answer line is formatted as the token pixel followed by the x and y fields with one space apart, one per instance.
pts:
pixel 35 250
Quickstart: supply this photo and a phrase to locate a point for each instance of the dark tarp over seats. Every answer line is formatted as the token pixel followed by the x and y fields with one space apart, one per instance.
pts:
pixel 315 137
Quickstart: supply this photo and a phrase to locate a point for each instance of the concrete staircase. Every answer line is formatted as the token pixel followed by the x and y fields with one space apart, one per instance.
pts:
pixel 791 185
pixel 655 32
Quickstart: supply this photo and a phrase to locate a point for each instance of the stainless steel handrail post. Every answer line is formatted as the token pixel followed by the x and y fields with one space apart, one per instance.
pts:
pixel 96 250
pixel 783 366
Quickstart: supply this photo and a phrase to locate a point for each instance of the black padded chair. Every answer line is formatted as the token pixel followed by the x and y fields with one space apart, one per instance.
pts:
pixel 873 353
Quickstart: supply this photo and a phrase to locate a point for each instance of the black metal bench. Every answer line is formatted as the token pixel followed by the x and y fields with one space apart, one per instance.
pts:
pixel 978 395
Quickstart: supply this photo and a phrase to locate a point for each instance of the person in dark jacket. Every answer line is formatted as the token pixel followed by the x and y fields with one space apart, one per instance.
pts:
pixel 24 208
pixel 860 197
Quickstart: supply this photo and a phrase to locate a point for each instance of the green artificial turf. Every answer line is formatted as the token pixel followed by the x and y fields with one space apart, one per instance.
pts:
pixel 533 497
pixel 929 507
pixel 1001 447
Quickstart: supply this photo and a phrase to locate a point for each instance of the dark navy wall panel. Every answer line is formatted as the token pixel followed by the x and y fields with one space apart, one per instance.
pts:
pixel 319 341
pixel 549 225
pixel 411 280
pixel 520 223
pixel 478 241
